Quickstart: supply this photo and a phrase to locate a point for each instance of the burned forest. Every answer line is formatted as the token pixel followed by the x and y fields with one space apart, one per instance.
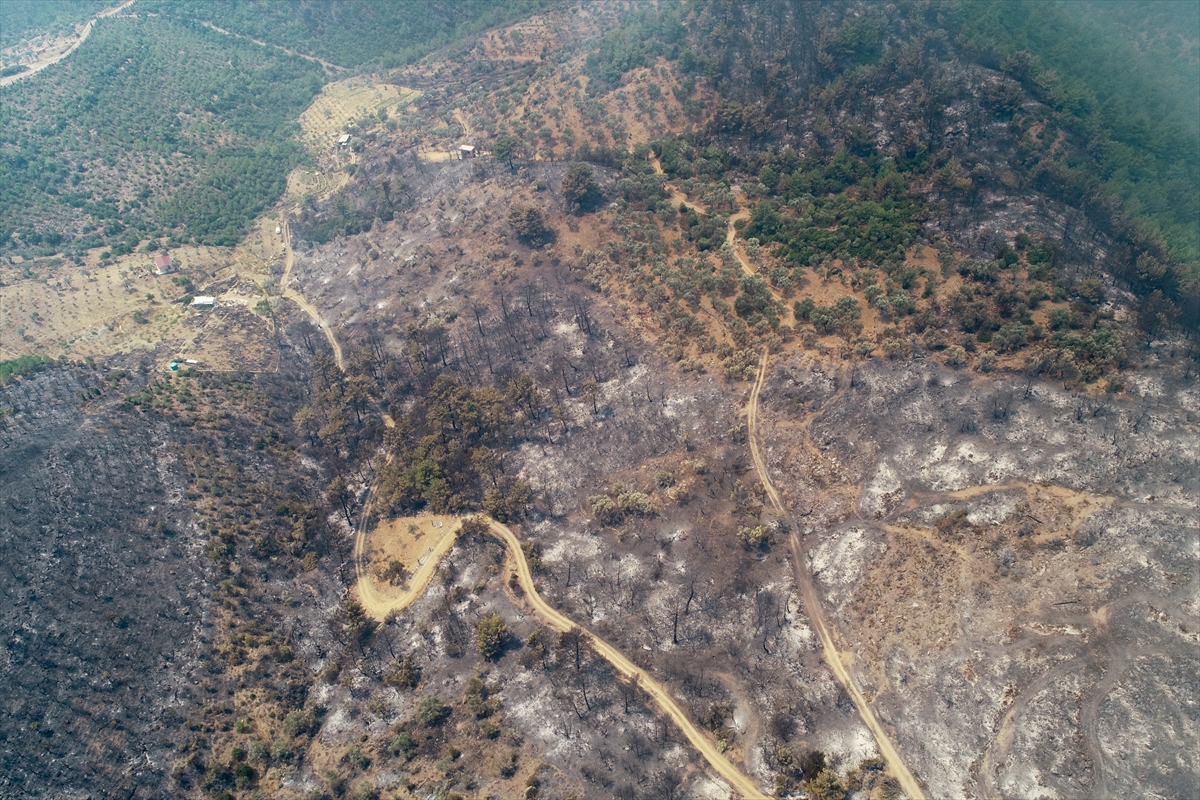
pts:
pixel 614 400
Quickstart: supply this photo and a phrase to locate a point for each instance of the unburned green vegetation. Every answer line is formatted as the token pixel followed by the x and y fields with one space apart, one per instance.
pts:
pixel 155 129
pixel 25 365
pixel 377 32
pixel 1135 134
pixel 20 19
pixel 855 205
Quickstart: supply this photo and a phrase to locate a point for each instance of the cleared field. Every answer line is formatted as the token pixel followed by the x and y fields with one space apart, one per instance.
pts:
pixel 408 540
pixel 124 307
pixel 417 544
pixel 342 102
pixel 121 307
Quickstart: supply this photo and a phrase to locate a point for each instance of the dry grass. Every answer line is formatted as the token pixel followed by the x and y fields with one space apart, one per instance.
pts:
pixel 90 310
pixel 408 540
pixel 342 102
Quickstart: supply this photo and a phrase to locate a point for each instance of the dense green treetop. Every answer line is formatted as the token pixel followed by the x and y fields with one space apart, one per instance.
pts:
pixel 1133 109
pixel 636 42
pixel 20 19
pixel 351 33
pixel 1164 34
pixel 152 128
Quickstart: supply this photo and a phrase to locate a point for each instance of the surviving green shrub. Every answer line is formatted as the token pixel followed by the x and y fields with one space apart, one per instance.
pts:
pixel 281 749
pixel 604 509
pixel 405 673
pixel 530 225
pixel 300 723
pixel 1011 337
pixel 491 633
pixel 825 786
pixel 755 301
pixel 753 536
pixel 842 317
pixel 402 745
pixel 432 711
pixel 636 503
pixel 579 187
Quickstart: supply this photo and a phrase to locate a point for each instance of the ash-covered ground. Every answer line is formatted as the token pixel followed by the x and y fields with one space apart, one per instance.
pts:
pixel 102 589
pixel 1013 565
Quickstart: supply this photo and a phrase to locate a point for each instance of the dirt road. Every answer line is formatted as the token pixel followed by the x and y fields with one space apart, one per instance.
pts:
pixel 46 61
pixel 731 240
pixel 375 603
pixel 812 605
pixel 298 299
pixel 379 607
pixel 803 579
pixel 462 120
pixel 677 197
pixel 742 784
pixel 328 66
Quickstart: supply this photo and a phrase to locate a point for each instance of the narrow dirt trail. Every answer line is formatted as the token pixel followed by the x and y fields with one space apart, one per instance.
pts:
pixel 731 240
pixel 328 66
pixel 996 753
pixel 753 729
pixel 811 603
pixel 373 601
pixel 800 565
pixel 298 299
pixel 41 64
pixel 677 197
pixel 462 120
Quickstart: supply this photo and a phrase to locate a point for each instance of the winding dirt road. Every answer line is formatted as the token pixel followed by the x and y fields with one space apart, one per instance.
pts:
pixel 328 66
pixel 298 299
pixel 799 562
pixel 42 63
pixel 677 196
pixel 662 698
pixel 379 607
pixel 462 120
pixel 812 605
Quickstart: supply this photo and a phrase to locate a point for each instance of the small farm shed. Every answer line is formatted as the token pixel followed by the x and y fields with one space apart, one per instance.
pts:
pixel 163 265
pixel 343 140
pixel 203 301
pixel 466 151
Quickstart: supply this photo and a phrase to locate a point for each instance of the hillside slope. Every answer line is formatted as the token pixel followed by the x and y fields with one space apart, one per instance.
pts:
pixel 807 358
